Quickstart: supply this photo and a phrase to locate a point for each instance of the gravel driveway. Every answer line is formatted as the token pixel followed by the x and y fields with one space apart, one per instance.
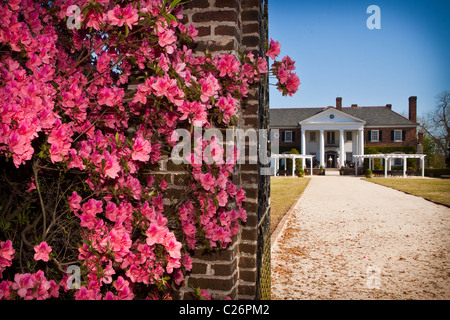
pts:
pixel 351 239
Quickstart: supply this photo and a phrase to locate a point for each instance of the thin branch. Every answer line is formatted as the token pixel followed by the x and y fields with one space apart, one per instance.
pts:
pixel 38 188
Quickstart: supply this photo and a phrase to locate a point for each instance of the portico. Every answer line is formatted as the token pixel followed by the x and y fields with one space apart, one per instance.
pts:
pixel 386 161
pixel 330 136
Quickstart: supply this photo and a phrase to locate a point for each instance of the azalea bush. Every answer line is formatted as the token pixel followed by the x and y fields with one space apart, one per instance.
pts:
pixel 78 144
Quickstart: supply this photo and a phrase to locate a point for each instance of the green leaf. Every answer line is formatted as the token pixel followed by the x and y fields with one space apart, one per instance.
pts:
pixel 174 3
pixel 171 17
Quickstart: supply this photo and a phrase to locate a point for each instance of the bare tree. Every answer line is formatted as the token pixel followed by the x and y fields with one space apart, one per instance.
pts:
pixel 436 125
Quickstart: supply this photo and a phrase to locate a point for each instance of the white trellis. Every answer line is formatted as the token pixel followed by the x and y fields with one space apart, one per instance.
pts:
pixel 388 157
pixel 293 157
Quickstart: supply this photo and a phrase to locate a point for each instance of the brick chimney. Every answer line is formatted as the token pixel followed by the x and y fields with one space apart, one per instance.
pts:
pixel 354 105
pixel 389 106
pixel 339 103
pixel 413 109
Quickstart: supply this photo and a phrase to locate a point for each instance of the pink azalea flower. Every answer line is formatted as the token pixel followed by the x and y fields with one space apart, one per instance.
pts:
pixel 42 251
pixel 173 246
pixel 60 140
pixel 130 16
pixel 5 290
pixel 87 294
pixel 6 251
pixel 240 196
pixel 292 84
pixel 112 166
pixel 228 106
pixel 32 185
pixel 74 202
pixel 227 65
pixel 210 88
pixel 166 37
pixel 22 283
pixel 107 273
pixel 155 234
pixel 222 198
pixel 6 255
pixel 90 209
pixel 205 294
pixel 141 149
pixel 109 296
pixel 274 49
pixel 207 181
pixel 119 16
pixel 178 276
pixel 187 262
pixel 172 264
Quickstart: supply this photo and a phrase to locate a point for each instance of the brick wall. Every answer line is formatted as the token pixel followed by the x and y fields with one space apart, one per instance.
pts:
pixel 410 138
pixel 297 136
pixel 227 26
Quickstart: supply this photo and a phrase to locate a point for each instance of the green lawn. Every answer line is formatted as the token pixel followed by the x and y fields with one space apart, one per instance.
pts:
pixel 432 189
pixel 283 192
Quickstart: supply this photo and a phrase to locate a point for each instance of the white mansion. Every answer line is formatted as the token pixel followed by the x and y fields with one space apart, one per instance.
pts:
pixel 334 134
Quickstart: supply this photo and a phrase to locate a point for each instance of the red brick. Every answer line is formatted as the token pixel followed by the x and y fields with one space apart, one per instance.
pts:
pixel 249 234
pixel 227 4
pixel 249 276
pixel 250 15
pixel 220 15
pixel 247 290
pixel 203 31
pixel 250 41
pixel 251 28
pixel 227 31
pixel 247 262
pixel 194 4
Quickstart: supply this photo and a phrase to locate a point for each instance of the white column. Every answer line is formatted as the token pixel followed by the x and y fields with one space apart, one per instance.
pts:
pixel 404 167
pixel 385 167
pixel 293 166
pixel 361 144
pixel 311 166
pixel 422 165
pixel 303 147
pixel 341 148
pixel 275 165
pixel 322 149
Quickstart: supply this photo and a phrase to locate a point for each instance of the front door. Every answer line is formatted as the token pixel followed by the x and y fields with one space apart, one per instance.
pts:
pixel 330 158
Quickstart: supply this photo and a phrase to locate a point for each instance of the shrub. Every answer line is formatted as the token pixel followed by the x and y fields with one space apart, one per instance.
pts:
pixel 78 149
pixel 369 173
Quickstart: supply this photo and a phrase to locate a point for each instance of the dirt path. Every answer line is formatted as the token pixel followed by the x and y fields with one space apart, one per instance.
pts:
pixel 352 239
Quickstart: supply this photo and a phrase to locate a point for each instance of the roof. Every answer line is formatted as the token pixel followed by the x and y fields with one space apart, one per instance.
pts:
pixel 374 116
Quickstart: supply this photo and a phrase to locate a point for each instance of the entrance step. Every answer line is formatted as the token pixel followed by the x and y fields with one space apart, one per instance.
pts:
pixel 332 172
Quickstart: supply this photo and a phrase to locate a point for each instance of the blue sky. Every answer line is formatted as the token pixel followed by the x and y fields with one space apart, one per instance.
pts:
pixel 338 56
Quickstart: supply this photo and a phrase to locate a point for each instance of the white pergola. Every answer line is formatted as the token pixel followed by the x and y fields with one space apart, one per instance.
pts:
pixel 293 157
pixel 388 157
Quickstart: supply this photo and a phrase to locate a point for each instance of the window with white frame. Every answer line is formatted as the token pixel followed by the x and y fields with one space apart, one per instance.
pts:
pixel 348 136
pixel 397 135
pixel 397 161
pixel 374 135
pixel 288 136
pixel 312 136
